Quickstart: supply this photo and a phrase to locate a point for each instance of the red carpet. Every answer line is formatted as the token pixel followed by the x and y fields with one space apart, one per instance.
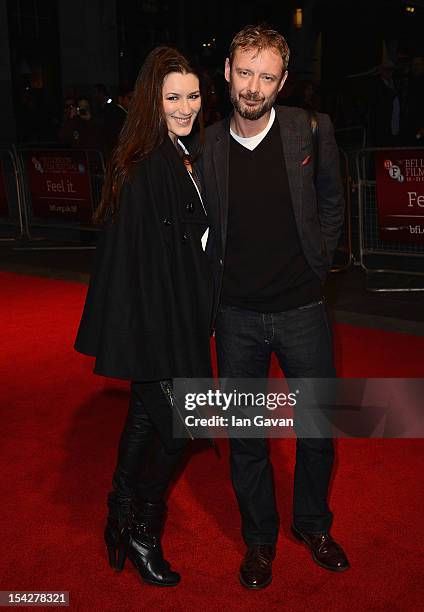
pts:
pixel 60 427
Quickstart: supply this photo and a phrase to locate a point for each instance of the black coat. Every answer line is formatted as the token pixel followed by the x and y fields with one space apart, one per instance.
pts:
pixel 318 207
pixel 148 310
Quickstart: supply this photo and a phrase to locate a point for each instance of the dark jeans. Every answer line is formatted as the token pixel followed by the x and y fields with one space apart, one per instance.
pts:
pixel 144 465
pixel 301 339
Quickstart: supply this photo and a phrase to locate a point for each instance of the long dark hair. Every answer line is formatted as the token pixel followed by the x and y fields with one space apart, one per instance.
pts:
pixel 145 127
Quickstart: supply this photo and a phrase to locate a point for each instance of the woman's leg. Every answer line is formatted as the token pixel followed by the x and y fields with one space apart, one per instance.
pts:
pixel 144 465
pixel 148 517
pixel 136 438
pixel 160 464
pixel 141 478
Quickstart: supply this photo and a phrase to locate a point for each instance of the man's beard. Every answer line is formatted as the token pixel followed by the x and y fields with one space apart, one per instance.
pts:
pixel 252 113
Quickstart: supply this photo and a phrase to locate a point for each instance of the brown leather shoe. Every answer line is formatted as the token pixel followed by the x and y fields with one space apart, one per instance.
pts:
pixel 325 551
pixel 256 569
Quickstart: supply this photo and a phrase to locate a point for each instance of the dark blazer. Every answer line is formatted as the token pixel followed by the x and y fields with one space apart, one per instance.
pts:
pixel 318 209
pixel 148 310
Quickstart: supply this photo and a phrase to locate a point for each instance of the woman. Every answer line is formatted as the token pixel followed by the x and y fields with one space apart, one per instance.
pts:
pixel 148 311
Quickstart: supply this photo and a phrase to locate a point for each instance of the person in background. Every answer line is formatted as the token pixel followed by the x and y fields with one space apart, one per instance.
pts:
pixel 69 112
pixel 69 109
pixel 113 119
pixel 384 108
pixel 80 130
pixel 36 122
pixel 303 96
pixel 101 98
pixel 147 316
pixel 415 102
pixel 211 113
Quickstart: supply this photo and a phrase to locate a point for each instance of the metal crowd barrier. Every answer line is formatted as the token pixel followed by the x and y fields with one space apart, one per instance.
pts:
pixel 351 140
pixel 343 256
pixel 35 225
pixel 61 189
pixel 13 221
pixel 392 262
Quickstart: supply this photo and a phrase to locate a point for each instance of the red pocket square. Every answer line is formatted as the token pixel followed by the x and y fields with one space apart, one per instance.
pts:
pixel 306 161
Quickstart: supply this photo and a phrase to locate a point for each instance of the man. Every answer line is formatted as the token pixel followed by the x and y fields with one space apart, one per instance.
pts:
pixel 113 119
pixel 384 108
pixel 277 232
pixel 415 102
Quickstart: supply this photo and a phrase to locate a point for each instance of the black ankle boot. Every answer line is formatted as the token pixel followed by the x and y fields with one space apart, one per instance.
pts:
pixel 144 545
pixel 116 530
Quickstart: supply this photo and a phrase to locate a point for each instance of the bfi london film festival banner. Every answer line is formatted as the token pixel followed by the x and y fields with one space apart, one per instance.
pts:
pixel 400 195
pixel 60 185
pixel 4 210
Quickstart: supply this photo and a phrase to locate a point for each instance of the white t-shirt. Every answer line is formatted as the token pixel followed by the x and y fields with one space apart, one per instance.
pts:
pixel 252 141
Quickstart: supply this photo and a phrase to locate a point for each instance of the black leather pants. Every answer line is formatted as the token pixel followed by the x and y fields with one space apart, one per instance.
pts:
pixel 145 464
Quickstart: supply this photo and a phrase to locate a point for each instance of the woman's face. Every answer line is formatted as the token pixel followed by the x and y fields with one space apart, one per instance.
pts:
pixel 181 103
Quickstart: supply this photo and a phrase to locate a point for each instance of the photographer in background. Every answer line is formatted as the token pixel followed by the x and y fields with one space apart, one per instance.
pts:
pixel 69 109
pixel 79 130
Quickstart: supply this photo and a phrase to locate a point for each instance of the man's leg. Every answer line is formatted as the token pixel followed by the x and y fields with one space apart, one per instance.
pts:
pixel 243 352
pixel 303 344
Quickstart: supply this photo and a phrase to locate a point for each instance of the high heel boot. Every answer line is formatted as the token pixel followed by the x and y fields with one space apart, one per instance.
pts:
pixel 144 544
pixel 116 530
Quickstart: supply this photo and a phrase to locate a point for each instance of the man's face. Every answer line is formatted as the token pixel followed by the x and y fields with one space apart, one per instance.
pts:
pixel 255 78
